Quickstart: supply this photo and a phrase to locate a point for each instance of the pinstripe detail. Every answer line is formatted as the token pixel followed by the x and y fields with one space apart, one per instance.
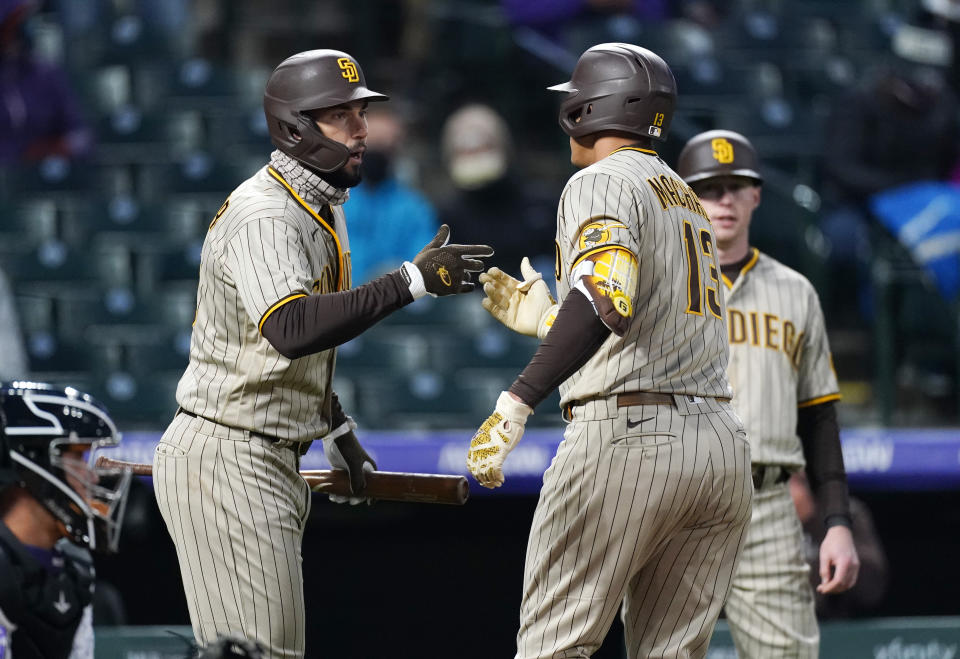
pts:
pixel 340 269
pixel 771 607
pixel 264 248
pixel 664 349
pixel 236 510
pixel 770 383
pixel 651 515
pixel 631 520
pixel 279 303
pixel 818 400
pixel 234 502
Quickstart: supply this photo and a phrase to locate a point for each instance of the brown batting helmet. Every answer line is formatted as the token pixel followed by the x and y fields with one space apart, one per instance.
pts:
pixel 718 153
pixel 618 86
pixel 308 81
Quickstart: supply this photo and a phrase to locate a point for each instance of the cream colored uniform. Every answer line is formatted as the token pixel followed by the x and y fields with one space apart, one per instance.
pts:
pixel 645 505
pixel 226 472
pixel 779 361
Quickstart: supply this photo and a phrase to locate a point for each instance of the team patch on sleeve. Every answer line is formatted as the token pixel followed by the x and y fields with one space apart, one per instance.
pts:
pixel 598 231
pixel 608 277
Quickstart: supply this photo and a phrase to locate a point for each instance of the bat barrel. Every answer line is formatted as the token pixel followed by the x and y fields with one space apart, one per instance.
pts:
pixel 395 486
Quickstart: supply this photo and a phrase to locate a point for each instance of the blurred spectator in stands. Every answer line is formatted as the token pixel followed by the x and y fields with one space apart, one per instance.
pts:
pixel 492 199
pixel 39 114
pixel 173 19
pixel 709 14
pixel 542 12
pixel 13 357
pixel 554 17
pixel 945 15
pixel 389 219
pixel 871 584
pixel 899 126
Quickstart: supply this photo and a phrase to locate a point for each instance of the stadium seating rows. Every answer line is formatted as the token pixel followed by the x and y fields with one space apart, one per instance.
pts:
pixel 104 255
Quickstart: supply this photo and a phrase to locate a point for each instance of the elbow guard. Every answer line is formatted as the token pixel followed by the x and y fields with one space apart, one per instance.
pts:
pixel 608 279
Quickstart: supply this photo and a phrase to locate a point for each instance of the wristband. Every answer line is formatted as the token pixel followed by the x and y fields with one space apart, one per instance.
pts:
pixel 347 426
pixel 513 409
pixel 838 519
pixel 414 279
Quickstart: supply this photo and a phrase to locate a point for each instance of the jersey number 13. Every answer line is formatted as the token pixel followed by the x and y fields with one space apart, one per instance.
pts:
pixel 699 246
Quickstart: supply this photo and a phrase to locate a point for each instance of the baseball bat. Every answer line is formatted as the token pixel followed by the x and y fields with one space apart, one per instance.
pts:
pixel 386 485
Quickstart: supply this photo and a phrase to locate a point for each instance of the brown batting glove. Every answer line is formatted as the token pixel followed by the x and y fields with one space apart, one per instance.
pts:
pixel 231 647
pixel 343 451
pixel 441 269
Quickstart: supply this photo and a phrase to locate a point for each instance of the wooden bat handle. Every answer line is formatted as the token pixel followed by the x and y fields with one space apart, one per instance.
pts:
pixel 386 485
pixel 138 468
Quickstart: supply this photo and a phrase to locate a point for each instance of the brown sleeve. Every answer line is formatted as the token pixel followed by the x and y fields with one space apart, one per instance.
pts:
pixel 310 324
pixel 820 436
pixel 576 335
pixel 337 416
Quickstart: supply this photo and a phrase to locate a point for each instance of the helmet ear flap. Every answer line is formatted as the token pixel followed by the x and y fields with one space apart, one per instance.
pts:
pixel 312 146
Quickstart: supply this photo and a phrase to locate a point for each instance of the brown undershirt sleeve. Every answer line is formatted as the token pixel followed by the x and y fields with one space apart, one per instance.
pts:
pixel 310 324
pixel 576 335
pixel 337 416
pixel 820 436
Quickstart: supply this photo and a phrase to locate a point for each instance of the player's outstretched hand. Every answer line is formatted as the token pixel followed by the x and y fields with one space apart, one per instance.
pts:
pixel 445 269
pixel 524 306
pixel 343 451
pixel 839 563
pixel 495 439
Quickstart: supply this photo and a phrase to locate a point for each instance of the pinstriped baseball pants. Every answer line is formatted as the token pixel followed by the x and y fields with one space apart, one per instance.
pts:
pixel 771 607
pixel 236 507
pixel 650 515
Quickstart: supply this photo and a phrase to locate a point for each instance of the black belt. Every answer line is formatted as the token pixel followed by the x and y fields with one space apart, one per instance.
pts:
pixel 769 475
pixel 270 439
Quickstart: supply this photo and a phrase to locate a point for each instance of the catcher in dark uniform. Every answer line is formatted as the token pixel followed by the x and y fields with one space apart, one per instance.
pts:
pixel 54 508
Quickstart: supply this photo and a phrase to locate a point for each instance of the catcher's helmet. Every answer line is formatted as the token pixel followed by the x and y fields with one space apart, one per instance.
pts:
pixel 618 86
pixel 718 153
pixel 48 438
pixel 307 81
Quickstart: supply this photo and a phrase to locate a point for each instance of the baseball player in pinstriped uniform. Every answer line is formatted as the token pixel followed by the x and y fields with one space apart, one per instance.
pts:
pixel 785 391
pixel 647 499
pixel 273 304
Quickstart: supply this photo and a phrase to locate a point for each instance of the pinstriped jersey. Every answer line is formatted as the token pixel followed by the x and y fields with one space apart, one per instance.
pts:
pixel 676 338
pixel 779 356
pixel 275 239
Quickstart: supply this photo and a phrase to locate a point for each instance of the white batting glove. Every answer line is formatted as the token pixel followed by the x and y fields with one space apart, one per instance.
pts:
pixel 343 451
pixel 524 306
pixel 495 439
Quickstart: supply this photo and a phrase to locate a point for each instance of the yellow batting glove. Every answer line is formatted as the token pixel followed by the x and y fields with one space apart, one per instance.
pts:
pixel 495 439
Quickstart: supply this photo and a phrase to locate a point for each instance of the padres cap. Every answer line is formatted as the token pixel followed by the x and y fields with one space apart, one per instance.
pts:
pixel 718 153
